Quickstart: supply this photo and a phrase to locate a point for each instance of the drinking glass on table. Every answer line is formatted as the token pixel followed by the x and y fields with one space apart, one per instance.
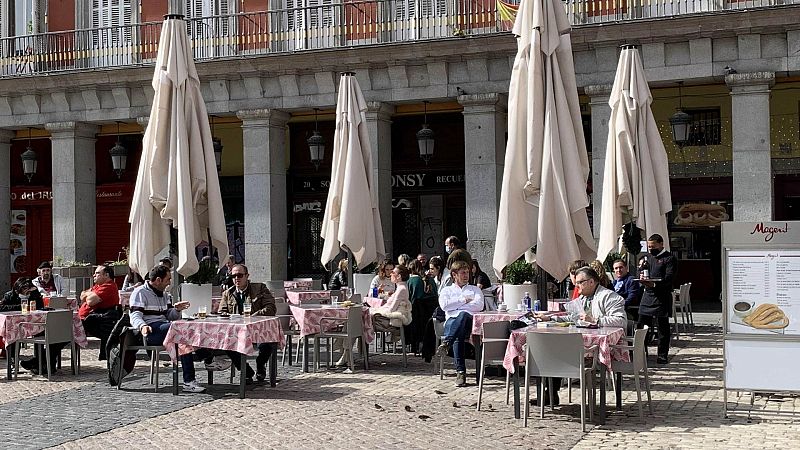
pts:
pixel 202 312
pixel 247 308
pixel 24 306
pixel 334 299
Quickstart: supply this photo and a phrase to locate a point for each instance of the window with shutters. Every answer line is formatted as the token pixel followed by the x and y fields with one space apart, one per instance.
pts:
pixel 211 25
pixel 112 20
pixel 22 12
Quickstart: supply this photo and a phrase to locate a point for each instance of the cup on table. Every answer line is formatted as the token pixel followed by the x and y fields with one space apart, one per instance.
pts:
pixel 202 312
pixel 502 307
pixel 46 301
pixel 520 307
pixel 334 299
pixel 24 307
pixel 247 308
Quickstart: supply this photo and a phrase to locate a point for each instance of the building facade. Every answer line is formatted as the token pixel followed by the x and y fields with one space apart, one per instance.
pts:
pixel 75 79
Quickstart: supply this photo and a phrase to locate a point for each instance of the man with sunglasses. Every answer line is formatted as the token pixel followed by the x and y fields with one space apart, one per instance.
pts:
pixel 263 304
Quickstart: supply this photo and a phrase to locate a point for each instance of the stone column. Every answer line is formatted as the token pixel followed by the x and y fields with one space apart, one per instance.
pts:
pixel 601 114
pixel 74 192
pixel 265 230
pixel 379 125
pixel 752 163
pixel 5 206
pixel 485 126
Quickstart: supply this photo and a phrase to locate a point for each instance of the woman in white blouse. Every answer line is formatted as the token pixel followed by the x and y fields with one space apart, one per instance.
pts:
pixel 383 280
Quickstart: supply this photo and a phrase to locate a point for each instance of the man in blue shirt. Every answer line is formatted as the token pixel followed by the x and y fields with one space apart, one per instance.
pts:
pixel 628 288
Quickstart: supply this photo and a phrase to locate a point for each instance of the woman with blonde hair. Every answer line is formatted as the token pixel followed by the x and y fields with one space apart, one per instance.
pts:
pixel 403 260
pixel 601 272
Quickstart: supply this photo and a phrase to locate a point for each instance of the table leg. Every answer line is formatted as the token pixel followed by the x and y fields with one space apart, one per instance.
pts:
pixel 618 390
pixel 305 354
pixel 478 353
pixel 515 376
pixel 603 370
pixel 175 371
pixel 242 374
pixel 9 371
pixel 273 367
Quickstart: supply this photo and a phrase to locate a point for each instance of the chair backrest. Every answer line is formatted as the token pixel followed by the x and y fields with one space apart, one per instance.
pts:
pixel 316 284
pixel 438 328
pixel 555 354
pixel 58 327
pixel 495 351
pixel 282 309
pixel 59 302
pixel 489 300
pixel 688 291
pixel 197 296
pixel 355 327
pixel 361 282
pixel 683 293
pixel 356 299
pixel 639 357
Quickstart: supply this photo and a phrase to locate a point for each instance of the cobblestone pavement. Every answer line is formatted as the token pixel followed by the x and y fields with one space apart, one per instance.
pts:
pixel 382 408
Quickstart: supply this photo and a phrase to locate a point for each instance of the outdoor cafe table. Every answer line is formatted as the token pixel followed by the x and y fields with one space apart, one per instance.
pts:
pixel 300 297
pixel 603 337
pixel 308 318
pixel 238 334
pixel 10 330
pixel 374 302
pixel 297 284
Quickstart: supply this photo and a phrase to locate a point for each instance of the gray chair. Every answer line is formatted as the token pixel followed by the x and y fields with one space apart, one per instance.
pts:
pixel 155 352
pixel 550 355
pixel 495 342
pixel 682 304
pixel 352 330
pixel 284 315
pixel 57 330
pixel 438 329
pixel 58 303
pixel 637 367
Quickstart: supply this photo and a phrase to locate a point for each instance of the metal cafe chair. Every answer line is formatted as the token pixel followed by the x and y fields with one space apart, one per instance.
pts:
pixel 57 330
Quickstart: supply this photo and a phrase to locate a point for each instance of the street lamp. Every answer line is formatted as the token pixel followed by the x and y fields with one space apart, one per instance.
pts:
pixel 29 160
pixel 316 144
pixel 119 156
pixel 680 122
pixel 425 138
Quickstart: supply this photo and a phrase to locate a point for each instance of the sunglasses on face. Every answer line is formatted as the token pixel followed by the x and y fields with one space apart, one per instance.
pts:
pixel 238 275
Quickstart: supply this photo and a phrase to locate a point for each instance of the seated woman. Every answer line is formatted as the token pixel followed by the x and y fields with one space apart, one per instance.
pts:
pixel 132 281
pixel 383 280
pixel 479 277
pixel 339 278
pixel 397 310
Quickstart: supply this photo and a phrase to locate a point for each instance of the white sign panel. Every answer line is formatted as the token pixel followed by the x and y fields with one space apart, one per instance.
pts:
pixel 762 296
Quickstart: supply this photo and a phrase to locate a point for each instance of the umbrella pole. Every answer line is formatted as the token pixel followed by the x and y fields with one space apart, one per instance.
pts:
pixel 349 269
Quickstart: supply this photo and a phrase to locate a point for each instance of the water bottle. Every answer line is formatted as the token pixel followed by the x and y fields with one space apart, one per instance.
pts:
pixel 375 292
pixel 526 300
pixel 536 305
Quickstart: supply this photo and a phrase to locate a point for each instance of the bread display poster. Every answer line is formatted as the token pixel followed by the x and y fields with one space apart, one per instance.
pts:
pixel 762 292
pixel 17 245
pixel 700 215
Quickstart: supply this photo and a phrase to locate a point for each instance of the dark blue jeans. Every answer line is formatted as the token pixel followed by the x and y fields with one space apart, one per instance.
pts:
pixel 456 330
pixel 156 337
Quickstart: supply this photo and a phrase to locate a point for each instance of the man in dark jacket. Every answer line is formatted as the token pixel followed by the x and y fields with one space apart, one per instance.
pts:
pixel 25 291
pixel 656 304
pixel 628 288
pixel 263 304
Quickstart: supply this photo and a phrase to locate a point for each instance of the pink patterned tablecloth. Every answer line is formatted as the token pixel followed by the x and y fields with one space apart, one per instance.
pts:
pixel 300 297
pixel 11 332
pixel 308 319
pixel 603 337
pixel 478 319
pixel 297 284
pixel 238 334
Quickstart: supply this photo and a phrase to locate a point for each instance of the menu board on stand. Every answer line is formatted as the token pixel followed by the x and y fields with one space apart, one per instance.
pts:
pixel 761 307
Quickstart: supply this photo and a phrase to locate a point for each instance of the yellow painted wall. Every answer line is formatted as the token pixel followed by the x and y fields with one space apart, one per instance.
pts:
pixel 784 120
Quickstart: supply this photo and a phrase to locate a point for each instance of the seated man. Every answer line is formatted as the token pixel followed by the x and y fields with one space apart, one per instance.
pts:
pixel 151 314
pixel 100 308
pixel 459 301
pixel 628 288
pixel 47 283
pixel 24 291
pixel 595 304
pixel 262 304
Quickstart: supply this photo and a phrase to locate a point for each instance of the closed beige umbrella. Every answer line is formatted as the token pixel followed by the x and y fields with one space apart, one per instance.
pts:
pixel 352 219
pixel 636 173
pixel 177 182
pixel 543 199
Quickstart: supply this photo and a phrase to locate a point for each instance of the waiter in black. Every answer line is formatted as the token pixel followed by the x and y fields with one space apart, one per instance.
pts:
pixel 656 304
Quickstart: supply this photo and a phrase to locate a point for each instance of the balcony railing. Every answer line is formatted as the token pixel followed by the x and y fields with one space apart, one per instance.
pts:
pixel 338 25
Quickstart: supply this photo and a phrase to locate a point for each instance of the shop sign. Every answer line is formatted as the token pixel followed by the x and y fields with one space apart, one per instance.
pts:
pixel 427 180
pixel 42 195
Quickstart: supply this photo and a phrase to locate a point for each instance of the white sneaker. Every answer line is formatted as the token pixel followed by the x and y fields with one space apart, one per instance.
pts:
pixel 219 363
pixel 193 387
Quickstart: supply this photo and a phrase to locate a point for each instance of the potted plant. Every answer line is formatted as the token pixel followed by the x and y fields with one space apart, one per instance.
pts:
pixel 518 280
pixel 197 288
pixel 76 274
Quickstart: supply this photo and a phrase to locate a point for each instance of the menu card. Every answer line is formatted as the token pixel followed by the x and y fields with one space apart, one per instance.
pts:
pixel 763 295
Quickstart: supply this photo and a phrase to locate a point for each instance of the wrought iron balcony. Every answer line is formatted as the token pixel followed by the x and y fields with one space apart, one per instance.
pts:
pixel 338 25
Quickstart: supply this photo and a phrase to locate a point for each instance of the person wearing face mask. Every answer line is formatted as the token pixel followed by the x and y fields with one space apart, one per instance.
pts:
pixel 656 303
pixel 455 252
pixel 23 291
